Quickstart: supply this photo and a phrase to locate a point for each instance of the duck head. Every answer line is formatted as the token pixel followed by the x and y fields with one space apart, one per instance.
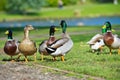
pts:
pixel 9 33
pixel 63 25
pixel 106 27
pixel 28 27
pixel 52 30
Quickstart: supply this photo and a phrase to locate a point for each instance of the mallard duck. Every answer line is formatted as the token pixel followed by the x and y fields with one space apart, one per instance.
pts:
pixel 47 42
pixel 27 47
pixel 110 40
pixel 11 45
pixel 96 43
pixel 61 46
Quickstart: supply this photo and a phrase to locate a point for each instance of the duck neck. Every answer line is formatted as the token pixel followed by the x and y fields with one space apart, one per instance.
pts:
pixel 52 38
pixel 64 26
pixel 10 36
pixel 65 35
pixel 108 30
pixel 51 34
pixel 26 34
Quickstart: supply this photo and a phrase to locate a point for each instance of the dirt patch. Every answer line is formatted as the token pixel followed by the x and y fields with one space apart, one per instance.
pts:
pixel 22 71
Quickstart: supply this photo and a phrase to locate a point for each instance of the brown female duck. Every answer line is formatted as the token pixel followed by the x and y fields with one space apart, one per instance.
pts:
pixel 11 45
pixel 110 40
pixel 27 47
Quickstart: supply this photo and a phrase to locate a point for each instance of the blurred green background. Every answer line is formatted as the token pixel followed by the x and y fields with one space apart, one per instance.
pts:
pixel 45 9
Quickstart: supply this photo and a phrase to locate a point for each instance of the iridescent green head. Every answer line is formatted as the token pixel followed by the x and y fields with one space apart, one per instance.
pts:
pixel 106 27
pixel 63 25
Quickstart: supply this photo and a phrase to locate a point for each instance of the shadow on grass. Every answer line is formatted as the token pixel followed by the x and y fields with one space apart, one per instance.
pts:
pixel 19 60
pixel 50 59
pixel 27 13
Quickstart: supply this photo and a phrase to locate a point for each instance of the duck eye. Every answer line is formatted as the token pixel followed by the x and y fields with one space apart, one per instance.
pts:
pixel 98 41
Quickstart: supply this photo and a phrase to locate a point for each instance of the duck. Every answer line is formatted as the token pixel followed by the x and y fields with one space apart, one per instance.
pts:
pixel 47 42
pixel 27 46
pixel 62 45
pixel 111 41
pixel 11 45
pixel 96 43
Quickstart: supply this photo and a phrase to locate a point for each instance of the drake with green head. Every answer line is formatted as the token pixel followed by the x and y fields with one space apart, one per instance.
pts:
pixel 47 42
pixel 27 47
pixel 61 46
pixel 110 40
pixel 11 45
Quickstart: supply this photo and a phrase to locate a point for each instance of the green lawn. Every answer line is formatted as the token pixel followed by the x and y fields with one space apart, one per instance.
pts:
pixel 79 60
pixel 88 10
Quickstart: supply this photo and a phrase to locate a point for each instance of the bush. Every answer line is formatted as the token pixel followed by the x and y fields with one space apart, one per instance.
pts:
pixel 54 3
pixel 22 6
pixel 2 5
pixel 70 2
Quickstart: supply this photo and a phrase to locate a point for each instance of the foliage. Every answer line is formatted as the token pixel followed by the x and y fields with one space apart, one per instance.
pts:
pixel 21 6
pixel 2 4
pixel 70 2
pixel 54 3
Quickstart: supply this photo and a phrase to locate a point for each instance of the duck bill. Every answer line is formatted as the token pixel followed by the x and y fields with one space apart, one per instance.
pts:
pixel 56 29
pixel 104 26
pixel 7 32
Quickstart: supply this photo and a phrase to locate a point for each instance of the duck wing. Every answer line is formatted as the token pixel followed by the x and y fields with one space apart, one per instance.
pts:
pixel 42 46
pixel 58 43
pixel 95 39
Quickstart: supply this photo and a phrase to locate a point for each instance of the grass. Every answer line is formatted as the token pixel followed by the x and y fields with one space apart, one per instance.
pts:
pixel 88 10
pixel 79 60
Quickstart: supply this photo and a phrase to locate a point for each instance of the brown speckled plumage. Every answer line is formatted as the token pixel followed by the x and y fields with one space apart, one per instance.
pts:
pixel 27 47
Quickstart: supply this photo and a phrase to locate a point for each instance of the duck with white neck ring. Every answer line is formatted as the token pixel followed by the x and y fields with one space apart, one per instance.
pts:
pixel 110 40
pixel 27 47
pixel 11 45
